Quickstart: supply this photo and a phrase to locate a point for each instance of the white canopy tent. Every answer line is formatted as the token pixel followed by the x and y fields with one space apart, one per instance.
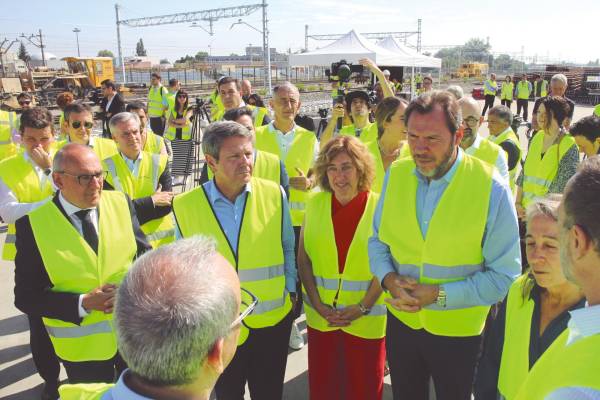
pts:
pixel 413 59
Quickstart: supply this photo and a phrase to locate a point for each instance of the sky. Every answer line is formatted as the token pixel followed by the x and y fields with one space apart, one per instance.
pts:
pixel 550 29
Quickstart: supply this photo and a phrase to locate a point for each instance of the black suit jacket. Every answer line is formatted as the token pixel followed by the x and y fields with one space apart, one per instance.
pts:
pixel 117 106
pixel 32 283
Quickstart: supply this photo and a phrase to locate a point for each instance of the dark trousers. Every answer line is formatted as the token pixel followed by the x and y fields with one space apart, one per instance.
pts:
pixel 157 125
pixel 42 351
pixel 297 310
pixel 489 102
pixel 95 371
pixel 416 355
pixel 260 361
pixel 506 103
pixel 522 103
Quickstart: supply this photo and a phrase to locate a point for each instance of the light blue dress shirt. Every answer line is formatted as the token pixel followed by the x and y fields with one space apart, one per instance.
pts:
pixel 230 217
pixel 501 245
pixel 120 391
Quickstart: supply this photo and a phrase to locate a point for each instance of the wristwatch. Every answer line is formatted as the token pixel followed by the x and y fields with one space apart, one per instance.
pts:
pixel 364 310
pixel 441 298
pixel 47 171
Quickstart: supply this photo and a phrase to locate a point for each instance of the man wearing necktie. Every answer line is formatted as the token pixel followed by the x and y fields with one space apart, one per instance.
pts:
pixel 72 254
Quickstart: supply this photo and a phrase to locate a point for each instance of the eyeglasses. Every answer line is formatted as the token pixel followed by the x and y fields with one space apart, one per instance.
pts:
pixel 86 124
pixel 24 103
pixel 249 302
pixel 86 179
pixel 471 121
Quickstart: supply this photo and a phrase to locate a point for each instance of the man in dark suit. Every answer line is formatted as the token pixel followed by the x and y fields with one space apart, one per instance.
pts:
pixel 72 254
pixel 111 104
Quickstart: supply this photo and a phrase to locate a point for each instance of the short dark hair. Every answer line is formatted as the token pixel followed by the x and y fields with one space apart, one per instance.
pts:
pixel 385 110
pixel 173 81
pixel 588 127
pixel 581 200
pixel 24 95
pixel 156 75
pixel 235 113
pixel 258 101
pixel 76 108
pixel 134 106
pixel 503 113
pixel 36 118
pixel 426 102
pixel 108 83
pixel 556 107
pixel 229 79
pixel 217 132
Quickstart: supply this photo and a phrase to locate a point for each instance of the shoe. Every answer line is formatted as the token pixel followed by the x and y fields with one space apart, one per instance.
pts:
pixel 50 391
pixel 296 338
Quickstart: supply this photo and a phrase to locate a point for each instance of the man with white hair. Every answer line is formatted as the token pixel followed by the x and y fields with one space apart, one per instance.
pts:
pixel 456 90
pixel 558 87
pixel 176 345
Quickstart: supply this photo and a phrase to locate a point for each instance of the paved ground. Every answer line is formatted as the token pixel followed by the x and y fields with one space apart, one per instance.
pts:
pixel 19 379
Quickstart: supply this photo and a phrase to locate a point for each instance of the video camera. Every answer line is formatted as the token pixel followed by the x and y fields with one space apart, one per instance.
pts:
pixel 342 70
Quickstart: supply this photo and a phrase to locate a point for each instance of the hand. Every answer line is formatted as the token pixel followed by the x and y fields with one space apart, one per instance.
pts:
pixel 368 63
pixel 40 157
pixel 520 211
pixel 350 313
pixel 400 287
pixel 426 294
pixel 100 299
pixel 160 198
pixel 300 182
pixel 338 112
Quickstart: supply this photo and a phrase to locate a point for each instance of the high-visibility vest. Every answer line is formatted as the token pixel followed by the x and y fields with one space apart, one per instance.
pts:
pixel 377 185
pixel 8 123
pixel 258 115
pixel 367 134
pixel 300 155
pixel 186 131
pixel 523 90
pixel 266 166
pixel 259 260
pixel 73 267
pixel 514 362
pixel 487 151
pixel 507 91
pixel 509 135
pixel 104 148
pixel 158 231
pixel 84 391
pixel 490 87
pixel 154 143
pixel 349 287
pixel 170 100
pixel 562 366
pixel 155 101
pixel 217 107
pixel 451 251
pixel 597 110
pixel 543 89
pixel 538 171
pixel 19 175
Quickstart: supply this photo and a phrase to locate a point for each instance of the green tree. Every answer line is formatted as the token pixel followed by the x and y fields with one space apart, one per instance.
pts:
pixel 164 61
pixel 476 49
pixel 140 50
pixel 201 56
pixel 23 54
pixel 106 53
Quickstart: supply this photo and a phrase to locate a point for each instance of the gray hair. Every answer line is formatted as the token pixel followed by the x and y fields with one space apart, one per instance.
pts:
pixel 545 206
pixel 457 91
pixel 217 132
pixel 559 78
pixel 171 308
pixel 285 85
pixel 120 118
pixel 503 113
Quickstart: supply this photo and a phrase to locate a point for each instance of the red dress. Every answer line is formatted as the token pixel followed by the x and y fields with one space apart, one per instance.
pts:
pixel 341 365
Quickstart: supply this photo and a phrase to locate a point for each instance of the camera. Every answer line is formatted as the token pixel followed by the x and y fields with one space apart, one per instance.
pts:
pixel 342 70
pixel 323 112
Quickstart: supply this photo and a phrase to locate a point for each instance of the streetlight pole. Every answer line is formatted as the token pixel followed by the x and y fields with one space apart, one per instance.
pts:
pixel 77 30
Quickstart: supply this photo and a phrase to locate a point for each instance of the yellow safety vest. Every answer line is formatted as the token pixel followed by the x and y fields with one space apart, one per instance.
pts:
pixel 487 151
pixel 19 175
pixel 8 124
pixel 73 267
pixel 266 166
pixel 155 101
pixel 258 115
pixel 523 90
pixel 538 171
pixel 492 84
pixel 186 131
pixel 259 260
pixel 158 231
pixel 597 110
pixel 507 91
pixel 514 362
pixel 561 366
pixel 367 134
pixel 104 148
pixel 450 252
pixel 217 108
pixel 84 391
pixel 154 143
pixel 509 135
pixel 544 90
pixel 300 155
pixel 170 100
pixel 377 185
pixel 350 286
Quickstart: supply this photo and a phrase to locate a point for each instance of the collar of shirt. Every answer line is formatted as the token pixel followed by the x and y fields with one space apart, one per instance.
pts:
pixel 91 142
pixel 448 175
pixel 475 145
pixel 70 208
pixel 132 164
pixel 109 101
pixel 121 391
pixel 214 194
pixel 585 322
pixel 276 131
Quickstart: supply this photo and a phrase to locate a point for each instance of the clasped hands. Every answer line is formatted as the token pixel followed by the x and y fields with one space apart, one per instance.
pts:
pixel 100 299
pixel 407 294
pixel 339 318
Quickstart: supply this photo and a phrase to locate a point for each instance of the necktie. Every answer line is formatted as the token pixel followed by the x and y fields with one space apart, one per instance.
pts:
pixel 89 232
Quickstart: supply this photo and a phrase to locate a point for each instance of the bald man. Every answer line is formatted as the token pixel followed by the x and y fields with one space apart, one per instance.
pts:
pixel 246 90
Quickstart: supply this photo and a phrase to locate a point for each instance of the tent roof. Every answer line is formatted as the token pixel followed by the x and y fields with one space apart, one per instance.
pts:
pixel 412 57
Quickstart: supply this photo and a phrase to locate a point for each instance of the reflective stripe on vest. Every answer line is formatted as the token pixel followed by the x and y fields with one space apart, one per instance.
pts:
pixel 539 172
pixel 259 260
pixel 266 166
pixel 70 257
pixel 509 135
pixel 436 259
pixel 348 288
pixel 155 102
pixel 300 155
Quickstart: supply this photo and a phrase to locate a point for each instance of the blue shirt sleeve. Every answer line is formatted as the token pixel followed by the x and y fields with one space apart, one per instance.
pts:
pixel 284 179
pixel 380 257
pixel 288 242
pixel 501 254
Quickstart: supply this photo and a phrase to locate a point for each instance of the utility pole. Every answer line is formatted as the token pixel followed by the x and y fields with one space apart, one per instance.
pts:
pixel 419 35
pixel 3 51
pixel 39 44
pixel 306 38
pixel 119 44
pixel 77 30
pixel 267 50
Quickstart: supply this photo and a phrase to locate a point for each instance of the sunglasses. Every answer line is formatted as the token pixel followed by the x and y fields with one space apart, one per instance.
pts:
pixel 249 302
pixel 86 124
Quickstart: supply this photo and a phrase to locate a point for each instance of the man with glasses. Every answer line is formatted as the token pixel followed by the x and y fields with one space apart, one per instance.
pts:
pixel 500 121
pixel 26 184
pixel 475 145
pixel 25 101
pixel 250 220
pixel 72 253
pixel 79 123
pixel 180 351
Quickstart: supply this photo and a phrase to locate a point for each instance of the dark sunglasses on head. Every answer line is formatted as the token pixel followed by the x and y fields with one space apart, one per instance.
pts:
pixel 86 124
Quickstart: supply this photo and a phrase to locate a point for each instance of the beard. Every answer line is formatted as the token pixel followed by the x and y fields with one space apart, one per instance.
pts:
pixel 468 138
pixel 441 169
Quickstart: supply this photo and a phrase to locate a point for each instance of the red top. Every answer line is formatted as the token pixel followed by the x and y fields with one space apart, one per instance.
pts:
pixel 345 221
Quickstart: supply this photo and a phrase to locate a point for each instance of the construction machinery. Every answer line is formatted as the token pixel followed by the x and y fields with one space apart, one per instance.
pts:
pixel 471 70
